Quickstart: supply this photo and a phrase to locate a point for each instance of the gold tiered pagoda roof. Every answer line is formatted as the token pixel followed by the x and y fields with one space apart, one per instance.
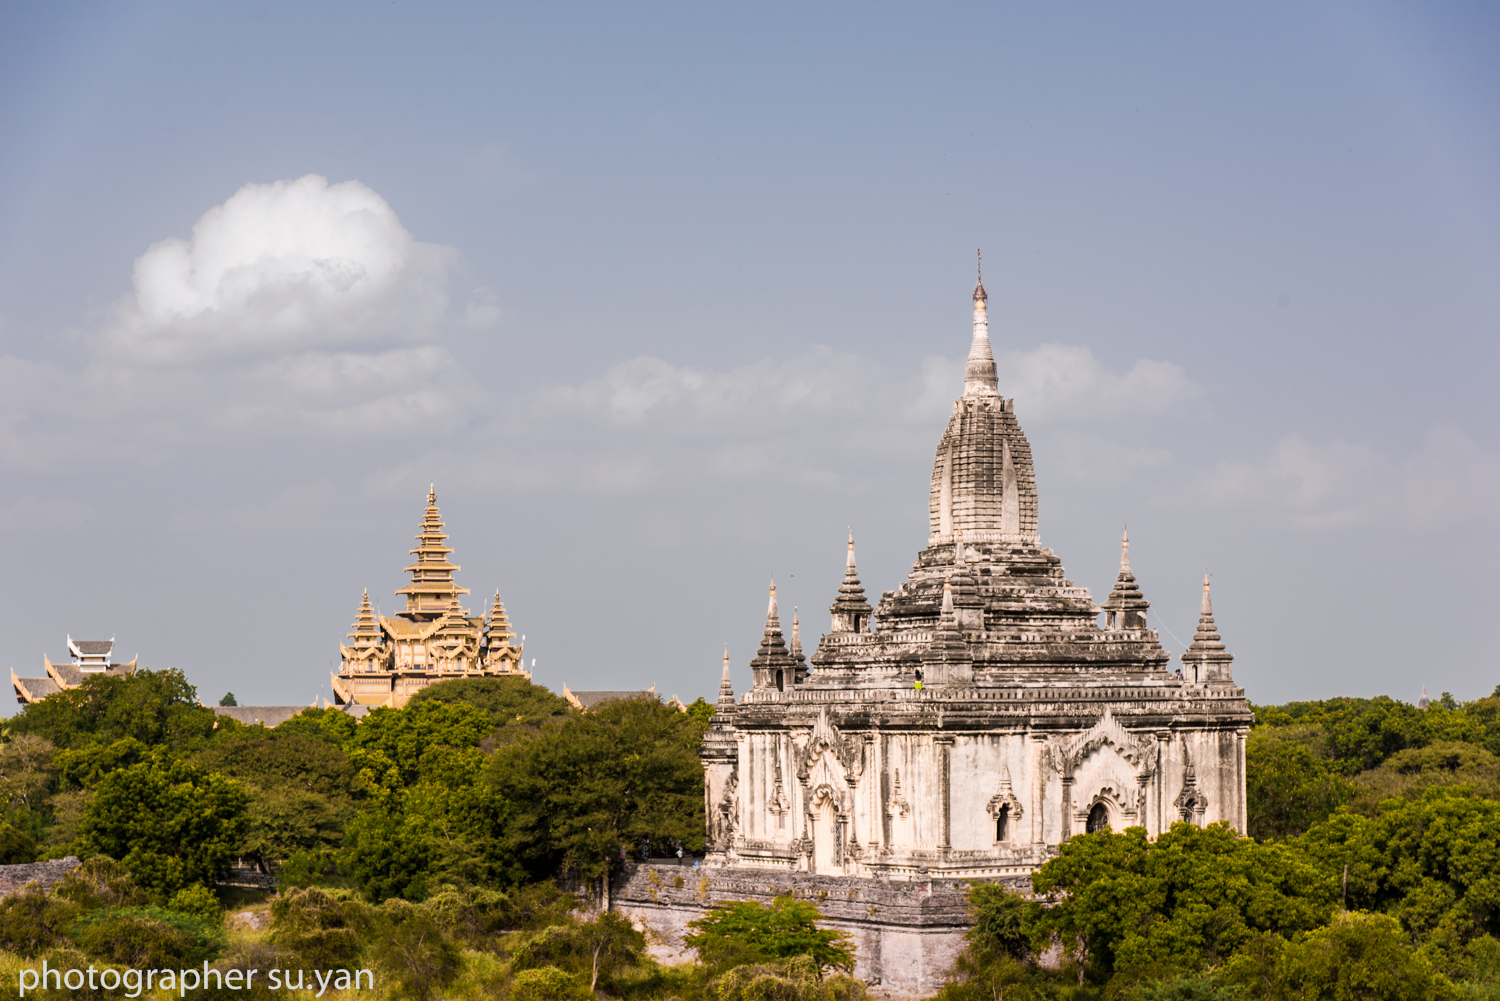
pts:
pixel 432 639
pixel 432 589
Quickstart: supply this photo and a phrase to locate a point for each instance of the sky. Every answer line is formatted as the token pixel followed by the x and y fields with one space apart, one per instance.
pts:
pixel 665 299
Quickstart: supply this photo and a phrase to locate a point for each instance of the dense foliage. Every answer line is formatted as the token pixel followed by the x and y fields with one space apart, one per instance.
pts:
pixel 427 844
pixel 1374 872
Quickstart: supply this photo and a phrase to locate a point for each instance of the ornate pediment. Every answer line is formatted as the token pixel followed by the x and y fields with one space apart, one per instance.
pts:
pixel 849 751
pixel 1141 753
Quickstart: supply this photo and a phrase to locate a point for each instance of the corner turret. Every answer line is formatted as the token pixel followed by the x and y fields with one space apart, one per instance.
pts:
pixel 773 666
pixel 1126 606
pixel 851 612
pixel 1206 660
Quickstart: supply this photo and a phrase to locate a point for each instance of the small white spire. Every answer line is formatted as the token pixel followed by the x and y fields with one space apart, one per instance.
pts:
pixel 1208 606
pixel 1125 548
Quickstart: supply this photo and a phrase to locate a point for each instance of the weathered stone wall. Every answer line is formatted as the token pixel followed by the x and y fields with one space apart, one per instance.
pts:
pixel 906 934
pixel 14 877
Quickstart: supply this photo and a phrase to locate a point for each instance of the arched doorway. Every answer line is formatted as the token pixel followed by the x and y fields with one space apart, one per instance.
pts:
pixel 825 834
pixel 1098 819
pixel 1002 824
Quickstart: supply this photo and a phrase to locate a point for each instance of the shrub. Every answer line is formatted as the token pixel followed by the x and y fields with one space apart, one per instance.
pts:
pixel 591 949
pixel 419 957
pixel 548 984
pixel 99 882
pixel 148 937
pixel 199 901
pixel 32 922
pixel 797 979
pixel 15 845
pixel 322 930
pixel 746 931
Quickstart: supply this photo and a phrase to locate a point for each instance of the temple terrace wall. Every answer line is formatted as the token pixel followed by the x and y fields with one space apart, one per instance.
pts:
pixel 906 934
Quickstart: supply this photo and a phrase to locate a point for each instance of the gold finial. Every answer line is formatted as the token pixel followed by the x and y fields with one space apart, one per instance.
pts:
pixel 979 293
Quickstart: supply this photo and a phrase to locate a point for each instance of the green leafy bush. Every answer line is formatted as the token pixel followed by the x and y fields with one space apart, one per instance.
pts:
pixel 148 937
pixel 748 932
pixel 323 930
pixel 414 951
pixel 548 983
pixel 594 949
pixel 797 979
pixel 32 922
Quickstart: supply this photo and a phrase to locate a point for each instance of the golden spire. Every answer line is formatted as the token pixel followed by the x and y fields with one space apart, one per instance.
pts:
pixel 432 589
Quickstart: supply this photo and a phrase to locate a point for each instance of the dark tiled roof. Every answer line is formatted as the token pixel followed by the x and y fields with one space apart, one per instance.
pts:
pixel 264 715
pixel 591 700
pixel 95 647
pixel 69 673
pixel 36 688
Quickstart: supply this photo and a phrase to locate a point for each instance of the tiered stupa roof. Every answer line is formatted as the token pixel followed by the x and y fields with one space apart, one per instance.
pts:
pixel 365 650
pixel 1206 658
pixel 1126 606
pixel 774 663
pixel 432 589
pixel 851 611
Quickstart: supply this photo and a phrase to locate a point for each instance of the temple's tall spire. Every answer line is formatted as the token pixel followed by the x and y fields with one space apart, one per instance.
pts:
pixel 1125 547
pixel 431 589
pixel 979 370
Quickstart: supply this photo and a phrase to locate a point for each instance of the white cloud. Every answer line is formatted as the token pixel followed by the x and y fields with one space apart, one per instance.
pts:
pixel 290 265
pixel 1445 477
pixel 1064 384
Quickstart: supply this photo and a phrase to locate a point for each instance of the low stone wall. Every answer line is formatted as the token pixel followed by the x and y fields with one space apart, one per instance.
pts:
pixel 13 877
pixel 906 934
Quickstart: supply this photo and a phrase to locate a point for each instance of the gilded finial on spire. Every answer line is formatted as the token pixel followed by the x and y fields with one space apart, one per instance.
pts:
pixel 979 293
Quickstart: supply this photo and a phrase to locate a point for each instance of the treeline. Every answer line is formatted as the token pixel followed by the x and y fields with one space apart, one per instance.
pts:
pixel 423 843
pixel 1372 872
pixel 489 782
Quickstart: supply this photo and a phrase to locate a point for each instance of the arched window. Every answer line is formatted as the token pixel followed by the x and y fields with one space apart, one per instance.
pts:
pixel 1188 808
pixel 1098 819
pixel 780 682
pixel 1002 824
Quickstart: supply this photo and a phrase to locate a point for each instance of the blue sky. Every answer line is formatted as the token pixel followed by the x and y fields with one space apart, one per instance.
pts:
pixel 663 298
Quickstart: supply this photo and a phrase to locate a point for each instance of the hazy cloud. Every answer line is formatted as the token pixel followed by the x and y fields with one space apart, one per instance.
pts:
pixel 1444 477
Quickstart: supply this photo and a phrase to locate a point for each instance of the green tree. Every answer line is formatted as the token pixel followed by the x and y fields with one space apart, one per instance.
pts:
pixel 701 710
pixel 26 766
pixel 750 932
pixel 510 703
pixel 1361 957
pixel 168 823
pixel 578 792
pixel 229 700
pixel 32 922
pixel 322 930
pixel 154 707
pixel 393 749
pixel 1289 784
pixel 15 845
pixel 330 726
pixel 289 760
pixel 1124 905
pixel 1432 863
